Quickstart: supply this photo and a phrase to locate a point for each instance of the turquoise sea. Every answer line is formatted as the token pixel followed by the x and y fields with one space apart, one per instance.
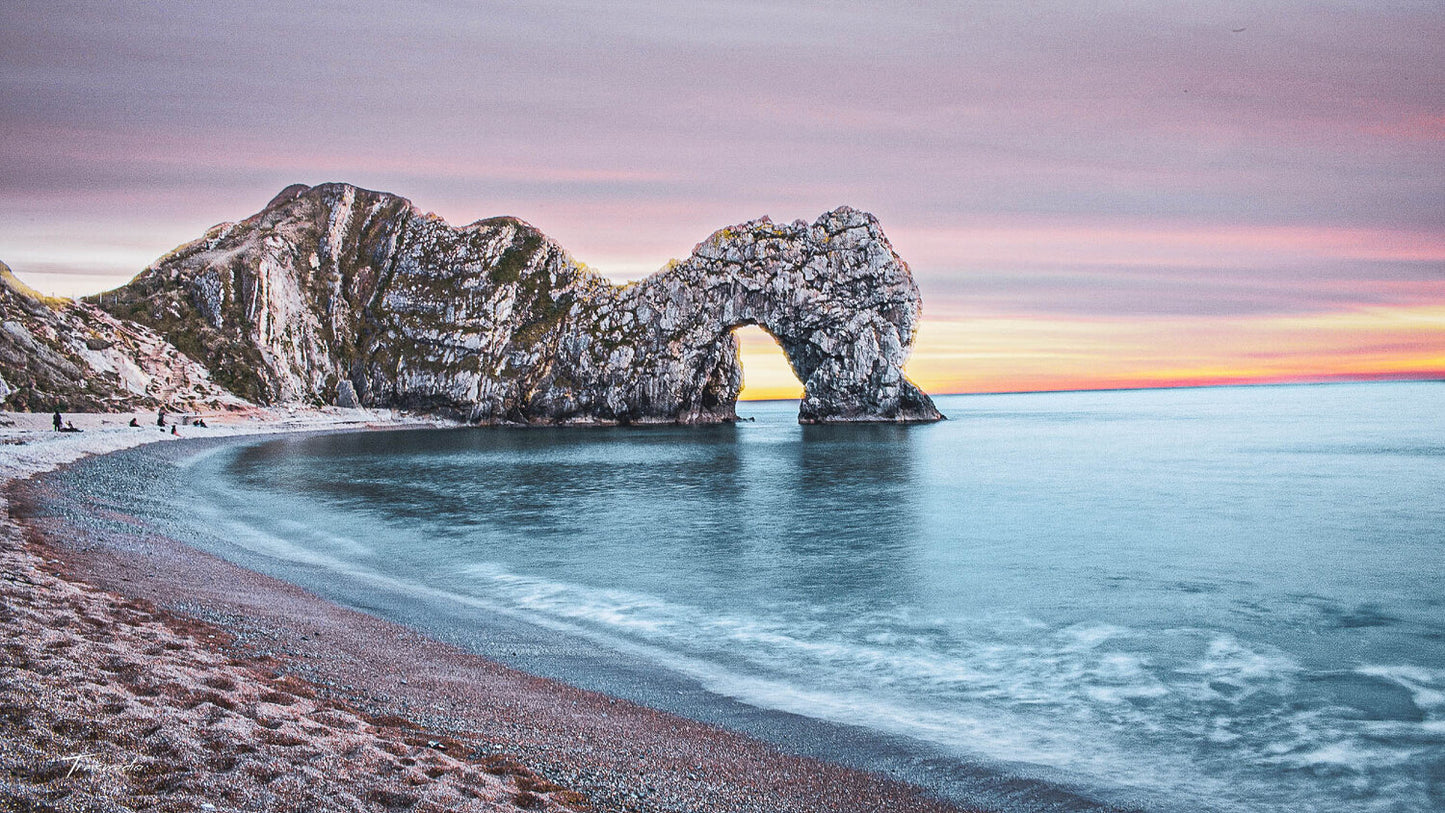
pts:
pixel 1225 599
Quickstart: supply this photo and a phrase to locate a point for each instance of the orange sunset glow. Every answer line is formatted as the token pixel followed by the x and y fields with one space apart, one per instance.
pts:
pixel 1011 354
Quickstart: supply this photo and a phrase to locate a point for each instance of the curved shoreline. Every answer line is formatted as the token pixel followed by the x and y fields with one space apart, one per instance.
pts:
pixel 617 754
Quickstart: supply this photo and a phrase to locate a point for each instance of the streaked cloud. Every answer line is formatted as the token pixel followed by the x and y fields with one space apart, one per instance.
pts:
pixel 1104 163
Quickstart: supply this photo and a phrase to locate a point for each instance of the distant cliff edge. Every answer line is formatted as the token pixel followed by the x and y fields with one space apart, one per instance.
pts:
pixel 72 356
pixel 339 295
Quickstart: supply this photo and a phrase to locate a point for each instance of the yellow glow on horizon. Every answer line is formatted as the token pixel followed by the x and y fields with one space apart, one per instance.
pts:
pixel 767 376
pixel 998 353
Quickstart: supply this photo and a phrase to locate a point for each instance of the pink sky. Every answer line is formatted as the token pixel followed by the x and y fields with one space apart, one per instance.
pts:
pixel 1103 194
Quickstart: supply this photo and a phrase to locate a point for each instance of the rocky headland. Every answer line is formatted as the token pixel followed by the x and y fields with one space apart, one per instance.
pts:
pixel 338 295
pixel 73 356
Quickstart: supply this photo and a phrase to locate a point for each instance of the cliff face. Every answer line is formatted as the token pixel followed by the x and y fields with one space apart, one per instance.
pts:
pixel 334 294
pixel 58 354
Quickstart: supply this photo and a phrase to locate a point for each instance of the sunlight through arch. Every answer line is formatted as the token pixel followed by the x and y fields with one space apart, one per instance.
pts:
pixel 767 375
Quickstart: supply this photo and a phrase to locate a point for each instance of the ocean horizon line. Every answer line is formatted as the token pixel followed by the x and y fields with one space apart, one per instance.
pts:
pixel 1232 384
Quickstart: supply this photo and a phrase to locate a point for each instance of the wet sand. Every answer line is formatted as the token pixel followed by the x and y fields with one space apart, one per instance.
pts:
pixel 128 657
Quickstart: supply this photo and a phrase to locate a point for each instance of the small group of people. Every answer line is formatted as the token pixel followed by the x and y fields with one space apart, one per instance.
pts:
pixel 161 421
pixel 62 425
pixel 67 425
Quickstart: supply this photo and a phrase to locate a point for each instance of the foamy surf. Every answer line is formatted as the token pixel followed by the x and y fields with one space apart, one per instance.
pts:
pixel 1174 600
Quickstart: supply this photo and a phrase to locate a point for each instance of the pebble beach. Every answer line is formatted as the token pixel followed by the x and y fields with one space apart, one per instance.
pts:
pixel 157 677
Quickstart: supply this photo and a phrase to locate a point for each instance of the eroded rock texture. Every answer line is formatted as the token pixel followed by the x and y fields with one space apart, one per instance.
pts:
pixel 339 294
pixel 59 354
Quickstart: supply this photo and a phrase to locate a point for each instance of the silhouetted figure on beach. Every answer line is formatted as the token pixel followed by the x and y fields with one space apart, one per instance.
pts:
pixel 173 430
pixel 134 422
pixel 69 427
pixel 199 422
pixel 56 421
pixel 161 418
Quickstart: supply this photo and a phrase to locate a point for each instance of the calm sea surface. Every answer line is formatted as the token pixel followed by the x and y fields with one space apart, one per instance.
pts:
pixel 1217 599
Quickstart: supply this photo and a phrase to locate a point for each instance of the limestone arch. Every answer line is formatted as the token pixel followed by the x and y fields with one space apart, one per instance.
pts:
pixel 840 303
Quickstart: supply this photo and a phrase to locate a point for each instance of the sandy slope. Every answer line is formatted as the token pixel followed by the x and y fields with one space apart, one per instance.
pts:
pixel 108 703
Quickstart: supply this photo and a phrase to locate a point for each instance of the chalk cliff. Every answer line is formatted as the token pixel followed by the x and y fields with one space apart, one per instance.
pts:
pixel 61 354
pixel 334 294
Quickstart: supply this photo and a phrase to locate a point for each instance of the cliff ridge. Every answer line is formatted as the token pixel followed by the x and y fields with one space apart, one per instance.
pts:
pixel 334 294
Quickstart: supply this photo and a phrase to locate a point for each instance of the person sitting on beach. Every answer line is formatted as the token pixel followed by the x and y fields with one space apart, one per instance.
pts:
pixel 56 420
pixel 134 422
pixel 199 422
pixel 69 427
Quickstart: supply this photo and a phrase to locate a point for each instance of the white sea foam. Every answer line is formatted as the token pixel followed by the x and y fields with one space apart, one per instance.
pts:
pixel 1066 682
pixel 1154 600
pixel 1426 686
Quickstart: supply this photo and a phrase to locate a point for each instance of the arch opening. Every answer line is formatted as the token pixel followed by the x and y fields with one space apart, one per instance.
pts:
pixel 767 373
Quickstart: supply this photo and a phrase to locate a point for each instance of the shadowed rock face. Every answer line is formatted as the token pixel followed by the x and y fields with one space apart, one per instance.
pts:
pixel 58 354
pixel 334 293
